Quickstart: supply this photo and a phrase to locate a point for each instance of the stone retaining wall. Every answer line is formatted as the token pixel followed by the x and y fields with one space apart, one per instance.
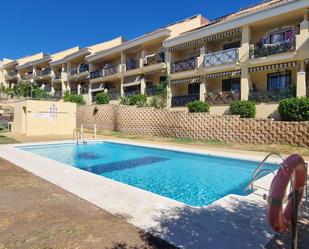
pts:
pixel 181 124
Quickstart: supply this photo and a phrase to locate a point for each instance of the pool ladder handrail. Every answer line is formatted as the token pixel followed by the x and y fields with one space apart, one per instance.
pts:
pixel 257 172
pixel 79 135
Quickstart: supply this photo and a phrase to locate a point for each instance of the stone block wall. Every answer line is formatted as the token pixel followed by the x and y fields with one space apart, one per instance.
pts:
pixel 181 124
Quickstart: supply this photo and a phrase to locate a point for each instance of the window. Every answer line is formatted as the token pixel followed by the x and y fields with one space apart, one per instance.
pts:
pixel 281 36
pixel 278 80
pixel 232 84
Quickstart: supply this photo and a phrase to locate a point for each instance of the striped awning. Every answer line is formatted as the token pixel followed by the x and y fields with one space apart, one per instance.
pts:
pixel 222 35
pixel 223 74
pixel 188 80
pixel 201 42
pixel 191 44
pixel 273 66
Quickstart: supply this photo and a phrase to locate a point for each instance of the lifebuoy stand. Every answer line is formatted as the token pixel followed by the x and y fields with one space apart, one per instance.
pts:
pixel 294 170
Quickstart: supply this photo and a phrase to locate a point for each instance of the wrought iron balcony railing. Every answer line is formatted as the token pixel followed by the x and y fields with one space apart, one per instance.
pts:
pixel 111 70
pixel 74 71
pixel 274 95
pixel 221 57
pixel 114 95
pixel 154 59
pixel 13 74
pixel 184 65
pixel 264 50
pixel 45 71
pixel 222 98
pixel 95 74
pixel 80 69
pixel 183 100
pixel 83 68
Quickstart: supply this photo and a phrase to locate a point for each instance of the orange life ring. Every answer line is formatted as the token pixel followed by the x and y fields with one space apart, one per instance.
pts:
pixel 293 166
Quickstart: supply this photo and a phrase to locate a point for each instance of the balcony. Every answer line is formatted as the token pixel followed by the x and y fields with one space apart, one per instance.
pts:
pixel 45 71
pixel 27 76
pixel 263 50
pixel 154 59
pixel 110 70
pixel 96 74
pixel 11 75
pixel 222 98
pixel 78 70
pixel 184 65
pixel 221 57
pixel 114 95
pixel 275 95
pixel 183 100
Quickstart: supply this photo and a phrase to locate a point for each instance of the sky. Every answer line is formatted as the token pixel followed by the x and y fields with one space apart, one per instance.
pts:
pixel 33 26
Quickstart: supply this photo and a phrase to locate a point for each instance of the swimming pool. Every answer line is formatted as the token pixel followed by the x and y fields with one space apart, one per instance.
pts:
pixel 193 179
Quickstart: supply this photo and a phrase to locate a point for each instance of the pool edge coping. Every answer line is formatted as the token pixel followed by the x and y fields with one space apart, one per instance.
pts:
pixel 139 215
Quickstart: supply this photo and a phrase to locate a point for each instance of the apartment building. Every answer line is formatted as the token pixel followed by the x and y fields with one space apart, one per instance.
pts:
pixel 260 53
pixel 116 66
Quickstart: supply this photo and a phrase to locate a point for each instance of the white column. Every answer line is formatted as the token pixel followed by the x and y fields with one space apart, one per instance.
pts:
pixel 79 88
pixel 203 89
pixel 245 83
pixel 168 69
pixel 143 85
pixel 123 62
pixel 121 86
pixel 301 80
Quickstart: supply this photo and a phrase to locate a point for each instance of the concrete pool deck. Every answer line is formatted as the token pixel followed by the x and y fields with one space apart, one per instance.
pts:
pixel 239 220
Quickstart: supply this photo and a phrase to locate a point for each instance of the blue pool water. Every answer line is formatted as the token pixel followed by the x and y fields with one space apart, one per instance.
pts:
pixel 196 180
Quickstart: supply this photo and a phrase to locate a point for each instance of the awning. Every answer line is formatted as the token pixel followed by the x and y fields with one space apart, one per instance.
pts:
pixel 189 80
pixel 222 35
pixel 273 66
pixel 223 74
pixel 191 44
pixel 201 42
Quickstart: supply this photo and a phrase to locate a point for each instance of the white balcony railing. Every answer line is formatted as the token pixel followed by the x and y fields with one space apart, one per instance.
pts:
pixel 221 57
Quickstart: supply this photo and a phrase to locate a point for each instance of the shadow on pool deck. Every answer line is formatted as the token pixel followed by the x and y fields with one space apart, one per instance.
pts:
pixel 240 224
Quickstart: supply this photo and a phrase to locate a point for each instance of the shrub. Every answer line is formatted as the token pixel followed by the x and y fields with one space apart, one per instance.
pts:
pixel 125 100
pixel 138 99
pixel 243 108
pixel 198 106
pixel 294 109
pixel 158 101
pixel 73 98
pixel 102 98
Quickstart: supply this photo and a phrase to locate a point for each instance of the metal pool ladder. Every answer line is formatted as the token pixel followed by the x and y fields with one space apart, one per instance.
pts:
pixel 258 170
pixel 79 136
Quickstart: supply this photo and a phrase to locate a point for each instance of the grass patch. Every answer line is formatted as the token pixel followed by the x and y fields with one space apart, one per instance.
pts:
pixel 7 140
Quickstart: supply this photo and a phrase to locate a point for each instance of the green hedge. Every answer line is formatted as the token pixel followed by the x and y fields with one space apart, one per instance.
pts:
pixel 74 98
pixel 102 98
pixel 198 106
pixel 294 109
pixel 243 108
